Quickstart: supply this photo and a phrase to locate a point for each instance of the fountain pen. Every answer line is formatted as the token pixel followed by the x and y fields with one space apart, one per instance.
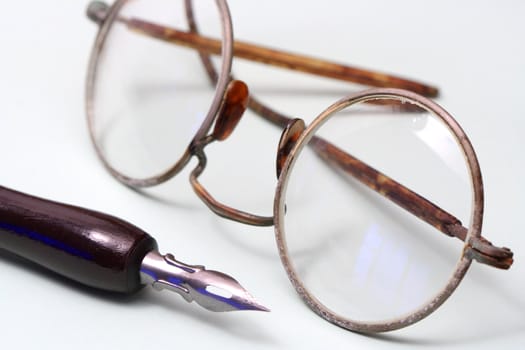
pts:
pixel 104 252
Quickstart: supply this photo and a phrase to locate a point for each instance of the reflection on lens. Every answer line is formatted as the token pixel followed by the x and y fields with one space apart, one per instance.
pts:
pixel 151 96
pixel 358 253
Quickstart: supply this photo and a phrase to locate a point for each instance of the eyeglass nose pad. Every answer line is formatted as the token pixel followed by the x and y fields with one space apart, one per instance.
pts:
pixel 289 137
pixel 234 104
pixel 97 11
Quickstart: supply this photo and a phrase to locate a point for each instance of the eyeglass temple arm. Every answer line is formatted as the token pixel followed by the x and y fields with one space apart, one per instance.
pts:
pixel 479 248
pixel 278 58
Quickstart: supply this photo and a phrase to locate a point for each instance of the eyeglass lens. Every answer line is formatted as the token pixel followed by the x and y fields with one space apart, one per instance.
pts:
pixel 359 254
pixel 150 95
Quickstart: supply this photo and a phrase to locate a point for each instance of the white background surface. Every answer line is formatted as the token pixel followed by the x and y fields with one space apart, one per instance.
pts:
pixel 473 51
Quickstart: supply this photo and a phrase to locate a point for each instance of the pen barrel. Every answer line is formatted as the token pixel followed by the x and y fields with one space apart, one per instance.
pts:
pixel 90 247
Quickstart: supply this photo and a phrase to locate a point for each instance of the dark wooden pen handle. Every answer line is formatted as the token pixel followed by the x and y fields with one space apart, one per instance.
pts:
pixel 92 248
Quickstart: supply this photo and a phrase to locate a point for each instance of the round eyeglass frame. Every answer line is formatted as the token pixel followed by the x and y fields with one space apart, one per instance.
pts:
pixel 223 78
pixel 474 230
pixel 293 139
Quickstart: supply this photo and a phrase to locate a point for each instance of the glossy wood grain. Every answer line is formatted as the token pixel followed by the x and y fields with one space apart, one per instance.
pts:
pixel 90 247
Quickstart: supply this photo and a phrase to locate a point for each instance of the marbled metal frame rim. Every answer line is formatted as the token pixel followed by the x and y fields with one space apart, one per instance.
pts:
pixel 222 83
pixel 474 227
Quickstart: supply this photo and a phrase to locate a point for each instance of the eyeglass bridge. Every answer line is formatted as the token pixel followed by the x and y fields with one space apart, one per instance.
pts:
pixel 232 108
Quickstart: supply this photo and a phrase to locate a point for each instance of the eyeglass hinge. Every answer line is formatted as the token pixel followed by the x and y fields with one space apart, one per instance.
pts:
pixel 482 250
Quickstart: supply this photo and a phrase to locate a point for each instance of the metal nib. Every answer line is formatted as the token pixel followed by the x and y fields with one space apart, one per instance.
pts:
pixel 212 290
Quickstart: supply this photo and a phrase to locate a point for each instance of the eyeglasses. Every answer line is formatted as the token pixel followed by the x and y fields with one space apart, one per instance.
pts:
pixel 358 261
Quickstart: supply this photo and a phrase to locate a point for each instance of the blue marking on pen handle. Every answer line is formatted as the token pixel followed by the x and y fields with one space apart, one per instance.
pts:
pixel 45 240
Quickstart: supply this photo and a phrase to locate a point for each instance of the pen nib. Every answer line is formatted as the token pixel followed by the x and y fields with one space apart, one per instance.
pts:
pixel 212 290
